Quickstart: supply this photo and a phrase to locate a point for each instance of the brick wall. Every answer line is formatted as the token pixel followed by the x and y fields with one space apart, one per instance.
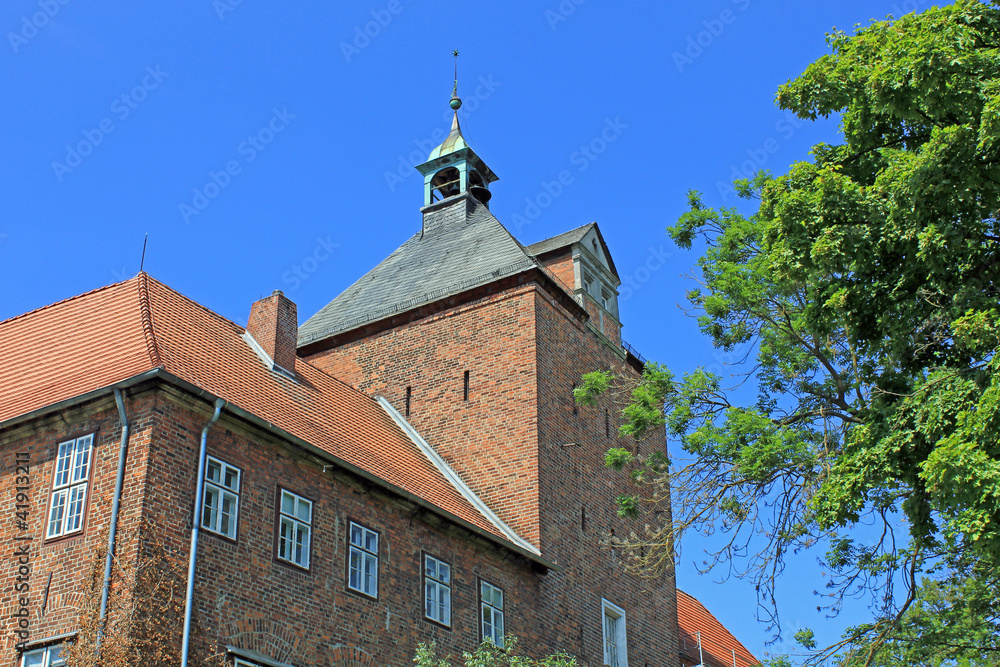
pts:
pixel 525 352
pixel 488 439
pixel 245 597
pixel 60 567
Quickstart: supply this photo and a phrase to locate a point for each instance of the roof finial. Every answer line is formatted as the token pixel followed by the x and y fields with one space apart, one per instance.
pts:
pixel 456 101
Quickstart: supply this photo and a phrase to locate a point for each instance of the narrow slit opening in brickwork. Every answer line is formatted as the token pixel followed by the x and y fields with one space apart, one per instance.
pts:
pixel 409 397
pixel 572 399
pixel 583 518
pixel 465 387
pixel 607 423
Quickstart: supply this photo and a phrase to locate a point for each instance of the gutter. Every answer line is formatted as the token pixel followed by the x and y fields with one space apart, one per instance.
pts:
pixel 195 528
pixel 162 374
pixel 113 530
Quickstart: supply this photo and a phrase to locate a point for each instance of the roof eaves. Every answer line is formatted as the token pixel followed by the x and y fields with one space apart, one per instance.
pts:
pixel 454 478
pixel 350 467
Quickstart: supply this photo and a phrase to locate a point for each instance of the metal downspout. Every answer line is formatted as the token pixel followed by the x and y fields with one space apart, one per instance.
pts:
pixel 196 523
pixel 113 530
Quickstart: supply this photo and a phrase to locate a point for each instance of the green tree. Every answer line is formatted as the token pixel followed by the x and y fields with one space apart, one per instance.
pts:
pixel 863 292
pixel 489 654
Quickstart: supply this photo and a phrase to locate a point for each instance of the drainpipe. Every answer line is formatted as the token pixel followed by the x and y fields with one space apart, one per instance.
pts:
pixel 198 495
pixel 113 530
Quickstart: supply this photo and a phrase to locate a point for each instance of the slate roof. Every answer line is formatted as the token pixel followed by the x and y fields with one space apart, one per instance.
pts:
pixel 93 341
pixel 569 238
pixel 560 240
pixel 462 246
pixel 717 643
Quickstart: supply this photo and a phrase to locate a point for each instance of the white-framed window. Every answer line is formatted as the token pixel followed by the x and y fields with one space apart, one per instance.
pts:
pixel 44 657
pixel 491 612
pixel 613 617
pixel 362 560
pixel 437 590
pixel 69 486
pixel 221 507
pixel 295 515
pixel 240 662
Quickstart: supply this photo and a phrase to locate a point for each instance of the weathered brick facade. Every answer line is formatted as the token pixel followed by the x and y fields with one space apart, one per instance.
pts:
pixel 521 442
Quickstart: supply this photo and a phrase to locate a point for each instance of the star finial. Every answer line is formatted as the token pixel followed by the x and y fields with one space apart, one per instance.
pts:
pixel 455 102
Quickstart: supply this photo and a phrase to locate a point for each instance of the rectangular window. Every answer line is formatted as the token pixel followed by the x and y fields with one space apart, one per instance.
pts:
pixel 362 560
pixel 221 506
pixel 465 390
pixel 294 528
pixel 240 662
pixel 437 590
pixel 409 398
pixel 491 606
pixel 44 657
pixel 69 486
pixel 615 654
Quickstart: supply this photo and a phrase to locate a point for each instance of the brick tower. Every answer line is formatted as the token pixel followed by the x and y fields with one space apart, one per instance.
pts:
pixel 479 341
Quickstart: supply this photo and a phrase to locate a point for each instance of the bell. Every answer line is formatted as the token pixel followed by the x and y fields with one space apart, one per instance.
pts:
pixel 481 194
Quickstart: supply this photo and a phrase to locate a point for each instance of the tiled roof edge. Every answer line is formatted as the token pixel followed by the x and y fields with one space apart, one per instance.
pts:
pixel 147 323
pixel 62 301
pixel 454 479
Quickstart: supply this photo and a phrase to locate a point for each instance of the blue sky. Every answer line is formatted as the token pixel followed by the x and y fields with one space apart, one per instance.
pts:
pixel 269 145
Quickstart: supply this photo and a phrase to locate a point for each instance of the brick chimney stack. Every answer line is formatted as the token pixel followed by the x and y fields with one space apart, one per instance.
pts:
pixel 274 325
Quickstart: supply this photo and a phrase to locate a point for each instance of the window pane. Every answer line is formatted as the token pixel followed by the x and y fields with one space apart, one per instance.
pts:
pixel 371 575
pixel 371 541
pixel 57 512
pixel 210 516
pixel 54 657
pixel 74 516
pixel 287 503
pixel 34 659
pixel 305 510
pixel 214 471
pixel 444 572
pixel 227 517
pixel 232 478
pixel 354 580
pixel 302 546
pixel 63 460
pixel 430 598
pixel 356 535
pixel 81 462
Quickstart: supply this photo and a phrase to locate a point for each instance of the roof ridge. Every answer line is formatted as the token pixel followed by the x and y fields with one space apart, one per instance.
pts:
pixel 147 322
pixel 67 299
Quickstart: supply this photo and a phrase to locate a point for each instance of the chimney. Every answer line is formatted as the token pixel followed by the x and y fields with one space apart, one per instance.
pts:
pixel 274 325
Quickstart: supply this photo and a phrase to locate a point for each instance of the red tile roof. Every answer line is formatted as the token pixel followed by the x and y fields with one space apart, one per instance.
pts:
pixel 717 644
pixel 99 338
